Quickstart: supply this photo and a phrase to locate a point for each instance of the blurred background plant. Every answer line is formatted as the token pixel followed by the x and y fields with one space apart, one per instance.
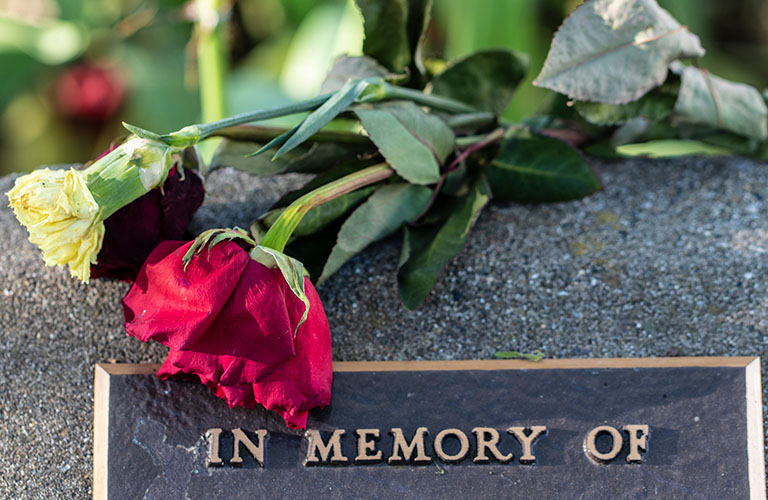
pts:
pixel 72 70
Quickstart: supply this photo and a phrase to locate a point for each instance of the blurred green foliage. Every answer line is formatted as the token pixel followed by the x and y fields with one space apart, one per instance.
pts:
pixel 133 60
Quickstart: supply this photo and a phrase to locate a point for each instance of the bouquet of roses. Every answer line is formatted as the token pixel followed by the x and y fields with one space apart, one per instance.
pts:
pixel 394 142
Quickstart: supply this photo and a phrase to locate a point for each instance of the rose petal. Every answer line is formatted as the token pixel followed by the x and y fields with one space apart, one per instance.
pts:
pixel 229 323
pixel 135 230
pixel 175 306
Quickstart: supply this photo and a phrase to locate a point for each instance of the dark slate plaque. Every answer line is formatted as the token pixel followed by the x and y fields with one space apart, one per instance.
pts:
pixel 704 434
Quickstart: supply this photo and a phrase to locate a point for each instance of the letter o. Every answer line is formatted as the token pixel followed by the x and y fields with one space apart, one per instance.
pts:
pixel 591 448
pixel 463 445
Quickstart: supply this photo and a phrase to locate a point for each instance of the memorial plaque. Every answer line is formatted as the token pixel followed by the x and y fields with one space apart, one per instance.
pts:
pixel 601 428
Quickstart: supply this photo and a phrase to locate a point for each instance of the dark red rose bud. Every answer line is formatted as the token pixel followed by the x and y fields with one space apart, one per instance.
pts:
pixel 131 233
pixel 89 92
pixel 229 322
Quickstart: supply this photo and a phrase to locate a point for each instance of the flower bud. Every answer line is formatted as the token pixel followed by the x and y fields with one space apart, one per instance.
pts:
pixel 64 210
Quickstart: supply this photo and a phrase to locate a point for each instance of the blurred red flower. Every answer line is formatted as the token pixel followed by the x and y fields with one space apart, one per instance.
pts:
pixel 229 322
pixel 89 92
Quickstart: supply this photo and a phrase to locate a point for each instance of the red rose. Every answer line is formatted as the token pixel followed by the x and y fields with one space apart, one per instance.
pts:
pixel 89 92
pixel 229 322
pixel 131 233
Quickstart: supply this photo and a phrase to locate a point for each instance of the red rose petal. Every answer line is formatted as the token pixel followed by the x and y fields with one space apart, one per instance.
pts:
pixel 229 323
pixel 131 233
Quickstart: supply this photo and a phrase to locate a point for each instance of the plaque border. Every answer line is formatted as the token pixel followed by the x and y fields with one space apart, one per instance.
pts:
pixel 751 365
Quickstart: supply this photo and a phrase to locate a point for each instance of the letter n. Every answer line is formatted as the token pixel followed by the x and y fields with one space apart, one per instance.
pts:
pixel 256 451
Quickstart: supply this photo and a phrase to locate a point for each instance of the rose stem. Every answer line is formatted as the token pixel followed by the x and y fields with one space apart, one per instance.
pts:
pixel 486 141
pixel 280 232
pixel 471 120
pixel 210 30
pixel 256 133
pixel 204 130
pixel 431 100
pixel 207 129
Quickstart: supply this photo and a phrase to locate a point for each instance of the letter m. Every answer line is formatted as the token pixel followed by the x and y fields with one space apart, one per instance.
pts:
pixel 400 444
pixel 332 448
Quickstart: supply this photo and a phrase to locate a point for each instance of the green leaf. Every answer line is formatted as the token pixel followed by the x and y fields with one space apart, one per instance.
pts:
pixel 653 106
pixel 324 114
pixel 142 133
pixel 307 158
pixel 322 215
pixel 485 80
pixel 395 31
pixel 540 169
pixel 413 142
pixel 291 269
pixel 671 148
pixel 277 141
pixel 386 38
pixel 426 250
pixel 347 68
pixel 535 356
pixel 615 51
pixel 383 213
pixel 710 100
pixel 419 14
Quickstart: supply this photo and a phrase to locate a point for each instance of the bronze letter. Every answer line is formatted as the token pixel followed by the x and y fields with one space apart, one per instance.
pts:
pixel 463 442
pixel 488 438
pixel 527 441
pixel 636 442
pixel 591 448
pixel 315 444
pixel 400 444
pixel 364 445
pixel 212 435
pixel 257 452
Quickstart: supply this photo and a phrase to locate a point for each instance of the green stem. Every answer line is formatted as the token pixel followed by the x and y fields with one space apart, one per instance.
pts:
pixel 487 140
pixel 471 120
pixel 255 133
pixel 207 129
pixel 211 59
pixel 380 91
pixel 278 235
pixel 431 100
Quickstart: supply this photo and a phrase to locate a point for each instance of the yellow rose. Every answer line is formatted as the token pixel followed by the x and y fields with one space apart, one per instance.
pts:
pixel 62 218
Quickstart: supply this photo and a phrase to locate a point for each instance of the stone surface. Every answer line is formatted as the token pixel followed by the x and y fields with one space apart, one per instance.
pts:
pixel 667 260
pixel 695 447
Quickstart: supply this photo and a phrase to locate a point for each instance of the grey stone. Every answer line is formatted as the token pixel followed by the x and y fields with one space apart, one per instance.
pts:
pixel 667 260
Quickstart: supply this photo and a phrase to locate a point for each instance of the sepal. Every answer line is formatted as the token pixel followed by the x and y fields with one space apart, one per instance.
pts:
pixel 292 270
pixel 211 238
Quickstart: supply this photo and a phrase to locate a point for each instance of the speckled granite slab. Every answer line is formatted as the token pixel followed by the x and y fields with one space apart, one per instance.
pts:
pixel 604 429
pixel 669 260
